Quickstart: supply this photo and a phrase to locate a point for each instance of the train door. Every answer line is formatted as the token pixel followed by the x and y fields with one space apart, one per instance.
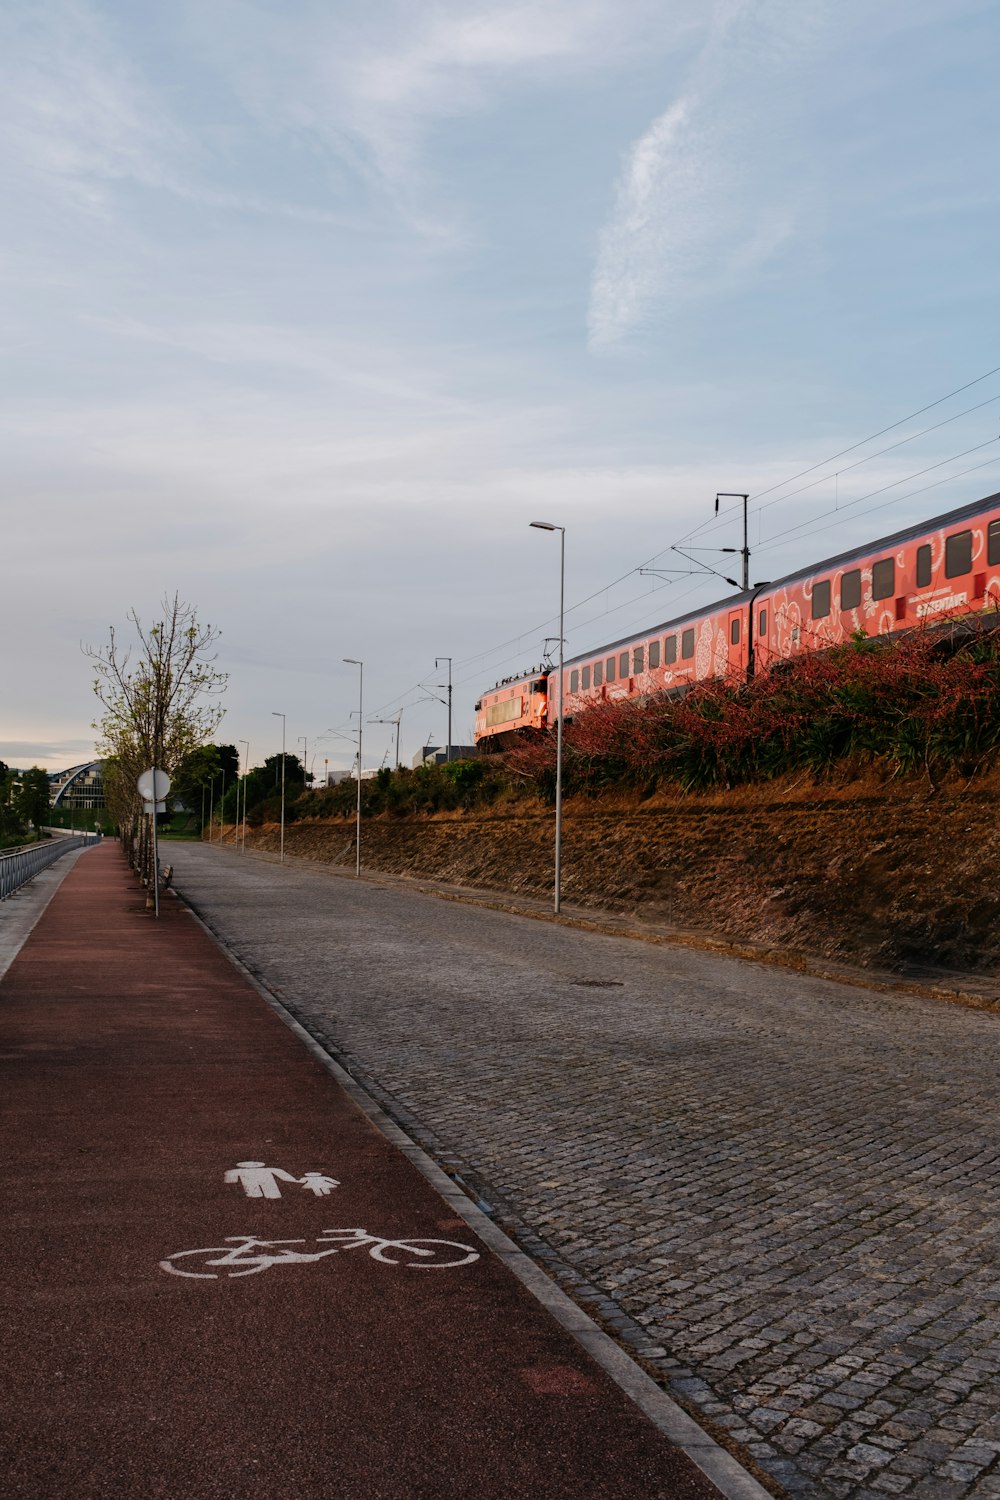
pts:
pixel 737 645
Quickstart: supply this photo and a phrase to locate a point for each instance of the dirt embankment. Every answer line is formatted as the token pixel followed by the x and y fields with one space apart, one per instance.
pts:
pixel 892 876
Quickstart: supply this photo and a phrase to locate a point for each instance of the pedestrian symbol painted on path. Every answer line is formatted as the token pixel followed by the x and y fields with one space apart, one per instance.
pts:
pixel 260 1181
pixel 319 1184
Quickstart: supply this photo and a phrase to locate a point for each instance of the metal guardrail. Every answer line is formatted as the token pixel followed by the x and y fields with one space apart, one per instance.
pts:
pixel 18 866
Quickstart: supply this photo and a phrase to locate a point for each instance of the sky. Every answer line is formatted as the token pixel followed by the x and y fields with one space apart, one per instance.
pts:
pixel 309 309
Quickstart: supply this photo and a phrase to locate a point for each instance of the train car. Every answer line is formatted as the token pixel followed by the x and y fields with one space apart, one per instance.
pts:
pixel 946 567
pixel 511 707
pixel 709 642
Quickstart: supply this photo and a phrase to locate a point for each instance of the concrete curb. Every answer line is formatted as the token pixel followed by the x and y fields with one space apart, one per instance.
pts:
pixel 718 1465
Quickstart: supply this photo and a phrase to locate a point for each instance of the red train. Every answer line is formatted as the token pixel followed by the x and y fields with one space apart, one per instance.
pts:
pixel 945 567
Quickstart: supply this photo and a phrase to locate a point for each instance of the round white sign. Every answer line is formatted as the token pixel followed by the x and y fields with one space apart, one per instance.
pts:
pixel 153 785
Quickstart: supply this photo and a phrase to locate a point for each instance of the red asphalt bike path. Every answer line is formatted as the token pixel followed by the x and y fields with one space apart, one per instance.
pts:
pixel 139 1067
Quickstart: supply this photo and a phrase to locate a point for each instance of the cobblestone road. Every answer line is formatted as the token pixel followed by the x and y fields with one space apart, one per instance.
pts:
pixel 782 1192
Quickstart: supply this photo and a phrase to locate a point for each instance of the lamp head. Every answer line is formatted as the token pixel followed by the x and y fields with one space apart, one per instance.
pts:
pixel 543 526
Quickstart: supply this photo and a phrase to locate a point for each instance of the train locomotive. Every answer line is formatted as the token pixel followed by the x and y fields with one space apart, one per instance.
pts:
pixel 944 568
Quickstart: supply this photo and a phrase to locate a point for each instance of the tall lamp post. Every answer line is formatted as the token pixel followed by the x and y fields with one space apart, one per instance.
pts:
pixel 437 662
pixel 275 715
pixel 353 662
pixel 548 526
pixel 246 772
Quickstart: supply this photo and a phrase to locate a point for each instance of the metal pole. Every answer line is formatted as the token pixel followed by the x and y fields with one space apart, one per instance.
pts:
pixel 246 772
pixel 352 661
pixel 559 732
pixel 282 844
pixel 437 660
pixel 156 845
pixel 222 813
pixel 305 762
pixel 548 526
pixel 745 549
pixel 211 808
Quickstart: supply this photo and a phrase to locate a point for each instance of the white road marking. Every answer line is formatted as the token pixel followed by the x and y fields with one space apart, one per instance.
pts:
pixel 246 1255
pixel 258 1181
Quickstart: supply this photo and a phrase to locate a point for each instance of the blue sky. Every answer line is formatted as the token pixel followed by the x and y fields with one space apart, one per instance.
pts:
pixel 308 309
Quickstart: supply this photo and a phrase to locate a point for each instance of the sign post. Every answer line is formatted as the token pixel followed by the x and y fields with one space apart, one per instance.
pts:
pixel 153 787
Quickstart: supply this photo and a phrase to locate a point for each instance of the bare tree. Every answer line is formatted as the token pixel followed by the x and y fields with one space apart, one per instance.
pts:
pixel 157 695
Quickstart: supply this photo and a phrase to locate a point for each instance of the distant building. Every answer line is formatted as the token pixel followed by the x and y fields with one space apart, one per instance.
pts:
pixel 79 788
pixel 437 755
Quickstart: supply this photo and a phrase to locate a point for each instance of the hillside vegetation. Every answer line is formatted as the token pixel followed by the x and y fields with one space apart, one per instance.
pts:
pixel 845 807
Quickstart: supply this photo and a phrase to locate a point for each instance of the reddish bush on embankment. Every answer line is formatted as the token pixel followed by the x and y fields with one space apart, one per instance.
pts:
pixel 922 703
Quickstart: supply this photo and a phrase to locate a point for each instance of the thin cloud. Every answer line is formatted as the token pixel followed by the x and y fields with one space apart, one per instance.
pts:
pixel 372 88
pixel 706 195
pixel 78 114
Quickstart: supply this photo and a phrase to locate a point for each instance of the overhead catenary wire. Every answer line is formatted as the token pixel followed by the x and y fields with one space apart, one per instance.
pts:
pixel 515 644
pixel 841 511
pixel 974 468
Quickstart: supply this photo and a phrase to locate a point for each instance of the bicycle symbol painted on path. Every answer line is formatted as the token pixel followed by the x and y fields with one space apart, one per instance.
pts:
pixel 246 1255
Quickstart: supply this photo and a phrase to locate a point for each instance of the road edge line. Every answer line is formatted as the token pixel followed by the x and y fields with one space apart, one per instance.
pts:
pixel 715 1462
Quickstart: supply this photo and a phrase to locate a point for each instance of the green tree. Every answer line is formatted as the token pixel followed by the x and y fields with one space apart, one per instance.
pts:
pixel 263 784
pixel 10 818
pixel 158 706
pixel 200 769
pixel 33 798
pixel 196 772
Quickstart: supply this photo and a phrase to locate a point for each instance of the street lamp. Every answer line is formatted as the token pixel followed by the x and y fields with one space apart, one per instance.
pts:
pixel 246 772
pixel 353 662
pixel 282 718
pixel 548 526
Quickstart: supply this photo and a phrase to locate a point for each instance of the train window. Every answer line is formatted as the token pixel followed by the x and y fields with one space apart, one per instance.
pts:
pixel 850 590
pixel 762 623
pixel 670 650
pixel 623 664
pixel 734 632
pixel 884 578
pixel 574 681
pixel 639 660
pixel 993 543
pixel 687 644
pixel 584 678
pixel 598 673
pixel 958 554
pixel 610 669
pixel 654 654
pixel 923 566
pixel 821 600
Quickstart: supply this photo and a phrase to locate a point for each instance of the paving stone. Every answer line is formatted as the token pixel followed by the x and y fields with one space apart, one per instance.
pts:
pixel 869 1454
pixel 788 1186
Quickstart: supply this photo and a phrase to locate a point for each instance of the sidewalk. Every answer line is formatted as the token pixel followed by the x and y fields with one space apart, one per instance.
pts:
pixel 219 1279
